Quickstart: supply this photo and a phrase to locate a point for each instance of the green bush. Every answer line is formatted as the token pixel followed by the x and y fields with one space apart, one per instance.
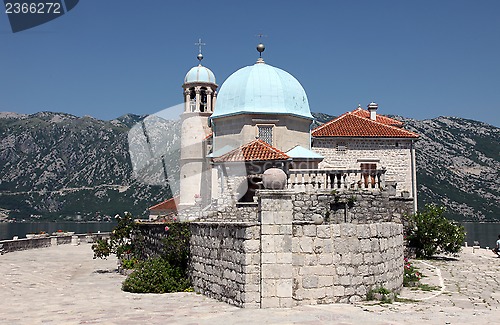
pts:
pixel 430 232
pixel 156 275
pixel 176 244
pixel 166 273
pixel 129 263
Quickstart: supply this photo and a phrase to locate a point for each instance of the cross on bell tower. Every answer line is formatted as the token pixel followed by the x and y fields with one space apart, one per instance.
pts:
pixel 200 44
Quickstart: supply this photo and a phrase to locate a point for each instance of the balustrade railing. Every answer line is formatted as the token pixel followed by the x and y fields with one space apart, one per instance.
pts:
pixel 335 179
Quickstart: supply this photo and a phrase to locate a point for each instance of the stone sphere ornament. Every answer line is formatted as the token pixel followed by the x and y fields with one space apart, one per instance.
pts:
pixel 274 179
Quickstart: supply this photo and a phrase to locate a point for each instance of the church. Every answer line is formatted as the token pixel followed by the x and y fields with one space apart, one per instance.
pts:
pixel 260 119
pixel 284 212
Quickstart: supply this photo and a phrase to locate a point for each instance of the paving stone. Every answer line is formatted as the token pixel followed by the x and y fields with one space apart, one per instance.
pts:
pixel 64 285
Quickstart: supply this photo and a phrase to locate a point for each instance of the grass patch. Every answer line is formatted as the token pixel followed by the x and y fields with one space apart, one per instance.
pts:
pixel 426 287
pixel 404 300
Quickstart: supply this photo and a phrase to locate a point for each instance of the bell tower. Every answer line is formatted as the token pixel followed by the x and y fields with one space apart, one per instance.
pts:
pixel 200 92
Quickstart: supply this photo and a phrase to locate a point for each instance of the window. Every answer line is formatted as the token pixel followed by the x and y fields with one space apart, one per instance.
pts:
pixel 266 133
pixel 368 174
pixel 342 147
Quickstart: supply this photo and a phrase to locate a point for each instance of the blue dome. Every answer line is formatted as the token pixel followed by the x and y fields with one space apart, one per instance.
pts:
pixel 261 89
pixel 200 74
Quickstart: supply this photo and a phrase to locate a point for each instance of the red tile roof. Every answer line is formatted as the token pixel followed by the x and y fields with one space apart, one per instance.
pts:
pixel 256 150
pixel 380 118
pixel 352 125
pixel 170 204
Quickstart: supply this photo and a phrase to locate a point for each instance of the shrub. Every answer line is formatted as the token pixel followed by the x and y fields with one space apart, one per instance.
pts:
pixel 130 263
pixel 165 273
pixel 176 244
pixel 430 232
pixel 382 294
pixel 156 275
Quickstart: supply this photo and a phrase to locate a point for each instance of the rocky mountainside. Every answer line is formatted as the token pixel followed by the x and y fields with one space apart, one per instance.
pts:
pixel 458 166
pixel 56 165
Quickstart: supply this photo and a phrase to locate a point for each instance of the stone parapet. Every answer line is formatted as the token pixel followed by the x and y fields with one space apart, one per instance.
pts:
pixel 32 243
pixel 226 262
pixel 359 207
pixel 342 262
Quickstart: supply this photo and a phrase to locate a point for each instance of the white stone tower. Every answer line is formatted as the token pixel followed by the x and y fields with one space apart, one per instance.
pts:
pixel 199 100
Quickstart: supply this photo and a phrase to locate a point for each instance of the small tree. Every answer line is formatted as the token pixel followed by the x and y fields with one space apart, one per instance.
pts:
pixel 430 232
pixel 120 241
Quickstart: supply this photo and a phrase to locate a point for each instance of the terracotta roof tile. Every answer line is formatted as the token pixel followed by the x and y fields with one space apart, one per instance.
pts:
pixel 170 204
pixel 380 118
pixel 256 150
pixel 352 125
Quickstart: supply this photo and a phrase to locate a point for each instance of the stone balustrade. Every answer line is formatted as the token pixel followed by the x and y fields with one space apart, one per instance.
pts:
pixel 307 180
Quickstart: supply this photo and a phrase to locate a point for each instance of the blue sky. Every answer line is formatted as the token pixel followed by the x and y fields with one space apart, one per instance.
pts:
pixel 419 59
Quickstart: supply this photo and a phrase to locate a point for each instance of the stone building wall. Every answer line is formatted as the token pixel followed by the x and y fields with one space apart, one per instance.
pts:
pixel 225 262
pixel 342 262
pixel 393 154
pixel 288 131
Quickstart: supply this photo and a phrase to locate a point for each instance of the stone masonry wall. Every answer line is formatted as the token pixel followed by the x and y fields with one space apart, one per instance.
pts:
pixel 342 262
pixel 225 262
pixel 287 256
pixel 351 206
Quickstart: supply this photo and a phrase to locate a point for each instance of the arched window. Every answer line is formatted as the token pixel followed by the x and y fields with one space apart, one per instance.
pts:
pixel 192 100
pixel 203 99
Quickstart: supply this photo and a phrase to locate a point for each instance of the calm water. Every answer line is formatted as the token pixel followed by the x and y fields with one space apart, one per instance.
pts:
pixel 486 233
pixel 9 230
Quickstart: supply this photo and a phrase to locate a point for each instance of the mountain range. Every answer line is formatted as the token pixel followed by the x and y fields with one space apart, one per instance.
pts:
pixel 59 166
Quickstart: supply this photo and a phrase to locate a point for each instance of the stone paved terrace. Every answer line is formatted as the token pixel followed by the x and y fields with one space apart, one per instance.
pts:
pixel 64 285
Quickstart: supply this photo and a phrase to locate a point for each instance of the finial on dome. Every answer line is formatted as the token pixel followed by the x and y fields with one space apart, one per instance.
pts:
pixel 199 44
pixel 260 48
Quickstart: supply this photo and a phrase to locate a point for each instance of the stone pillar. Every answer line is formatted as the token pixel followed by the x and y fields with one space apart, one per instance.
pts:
pixel 209 100
pixel 198 98
pixel 187 100
pixel 276 217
